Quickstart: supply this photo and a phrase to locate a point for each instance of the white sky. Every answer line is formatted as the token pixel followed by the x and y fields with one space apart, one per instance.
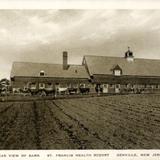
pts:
pixel 42 35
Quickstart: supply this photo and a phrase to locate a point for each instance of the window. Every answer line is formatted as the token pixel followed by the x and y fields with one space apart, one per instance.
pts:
pixel 41 85
pixel 117 72
pixel 49 84
pixel 33 85
pixel 41 73
pixel 82 85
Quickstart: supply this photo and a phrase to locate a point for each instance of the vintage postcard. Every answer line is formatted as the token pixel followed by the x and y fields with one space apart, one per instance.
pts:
pixel 79 83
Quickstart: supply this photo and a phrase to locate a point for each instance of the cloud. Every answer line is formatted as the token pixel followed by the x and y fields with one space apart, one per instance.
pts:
pixel 42 35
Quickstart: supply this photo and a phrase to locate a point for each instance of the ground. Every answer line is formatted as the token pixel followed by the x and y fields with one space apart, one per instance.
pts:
pixel 110 122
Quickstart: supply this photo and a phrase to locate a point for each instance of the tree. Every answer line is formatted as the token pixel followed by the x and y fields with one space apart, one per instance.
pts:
pixel 4 81
pixel 4 84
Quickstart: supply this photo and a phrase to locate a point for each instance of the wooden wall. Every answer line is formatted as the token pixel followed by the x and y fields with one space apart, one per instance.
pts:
pixel 21 82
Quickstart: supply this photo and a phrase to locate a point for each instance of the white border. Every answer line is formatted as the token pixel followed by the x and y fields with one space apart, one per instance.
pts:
pixel 83 4
pixel 80 4
pixel 80 155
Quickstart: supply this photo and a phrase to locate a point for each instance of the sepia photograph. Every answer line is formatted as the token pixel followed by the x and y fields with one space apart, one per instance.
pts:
pixel 79 79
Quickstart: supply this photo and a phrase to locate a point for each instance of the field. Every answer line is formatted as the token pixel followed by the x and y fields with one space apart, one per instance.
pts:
pixel 111 122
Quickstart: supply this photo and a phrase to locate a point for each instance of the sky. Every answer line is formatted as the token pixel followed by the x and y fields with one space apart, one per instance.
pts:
pixel 42 35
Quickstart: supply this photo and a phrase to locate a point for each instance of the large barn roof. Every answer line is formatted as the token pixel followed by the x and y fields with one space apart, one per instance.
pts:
pixel 139 67
pixel 29 69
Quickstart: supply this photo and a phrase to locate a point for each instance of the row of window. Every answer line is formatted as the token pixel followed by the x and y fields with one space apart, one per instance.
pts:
pixel 131 86
pixel 50 85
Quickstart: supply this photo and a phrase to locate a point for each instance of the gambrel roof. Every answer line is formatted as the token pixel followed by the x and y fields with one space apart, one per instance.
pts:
pixel 29 69
pixel 139 67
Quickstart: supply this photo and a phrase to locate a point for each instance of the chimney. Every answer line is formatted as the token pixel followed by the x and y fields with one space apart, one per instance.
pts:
pixel 65 60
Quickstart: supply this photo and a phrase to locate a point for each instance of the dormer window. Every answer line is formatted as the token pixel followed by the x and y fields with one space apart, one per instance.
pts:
pixel 41 73
pixel 117 71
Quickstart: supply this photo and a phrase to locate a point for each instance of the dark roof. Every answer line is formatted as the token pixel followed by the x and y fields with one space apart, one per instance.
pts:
pixel 29 69
pixel 116 67
pixel 140 67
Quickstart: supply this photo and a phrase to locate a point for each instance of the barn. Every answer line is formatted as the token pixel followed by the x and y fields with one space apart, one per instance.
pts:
pixel 123 74
pixel 40 76
pixel 98 73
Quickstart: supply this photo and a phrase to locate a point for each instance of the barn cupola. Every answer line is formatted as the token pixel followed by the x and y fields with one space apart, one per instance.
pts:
pixel 129 55
pixel 65 60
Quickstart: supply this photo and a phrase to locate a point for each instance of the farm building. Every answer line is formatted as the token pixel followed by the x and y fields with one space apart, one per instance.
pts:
pixel 118 74
pixel 39 76
pixel 98 73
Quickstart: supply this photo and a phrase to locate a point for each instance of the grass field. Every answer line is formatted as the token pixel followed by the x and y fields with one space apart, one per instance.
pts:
pixel 112 122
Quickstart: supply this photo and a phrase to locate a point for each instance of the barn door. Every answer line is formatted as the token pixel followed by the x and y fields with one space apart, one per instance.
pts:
pixel 105 88
pixel 117 88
